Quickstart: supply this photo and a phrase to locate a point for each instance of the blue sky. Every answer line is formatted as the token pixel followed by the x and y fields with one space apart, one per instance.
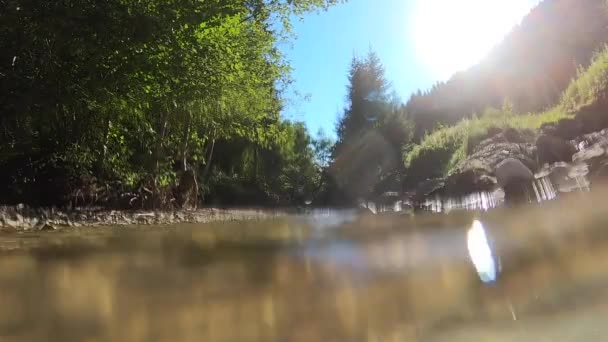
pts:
pixel 326 42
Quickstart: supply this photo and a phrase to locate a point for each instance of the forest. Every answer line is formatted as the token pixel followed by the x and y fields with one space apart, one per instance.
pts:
pixel 151 104
pixel 168 104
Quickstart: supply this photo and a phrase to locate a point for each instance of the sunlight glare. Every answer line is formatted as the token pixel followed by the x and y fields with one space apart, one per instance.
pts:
pixel 481 253
pixel 453 35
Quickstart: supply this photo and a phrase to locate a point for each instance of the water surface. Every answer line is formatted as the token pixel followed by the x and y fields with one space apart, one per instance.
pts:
pixel 324 277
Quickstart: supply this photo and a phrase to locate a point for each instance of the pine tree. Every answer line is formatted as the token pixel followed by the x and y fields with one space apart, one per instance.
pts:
pixel 366 150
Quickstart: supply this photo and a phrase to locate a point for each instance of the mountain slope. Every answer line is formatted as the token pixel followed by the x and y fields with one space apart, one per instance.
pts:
pixel 530 68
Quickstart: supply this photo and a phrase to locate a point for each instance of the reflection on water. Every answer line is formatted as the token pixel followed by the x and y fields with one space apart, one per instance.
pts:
pixel 484 200
pixel 481 253
pixel 548 184
pixel 368 278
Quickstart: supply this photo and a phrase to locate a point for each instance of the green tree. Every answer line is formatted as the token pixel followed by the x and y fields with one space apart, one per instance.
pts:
pixel 370 133
pixel 132 95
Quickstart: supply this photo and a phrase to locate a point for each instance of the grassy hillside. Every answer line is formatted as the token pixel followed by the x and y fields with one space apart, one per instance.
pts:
pixel 531 67
pixel 440 151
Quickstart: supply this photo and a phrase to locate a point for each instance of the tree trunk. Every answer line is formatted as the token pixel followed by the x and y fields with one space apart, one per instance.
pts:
pixel 186 141
pixel 208 160
pixel 157 153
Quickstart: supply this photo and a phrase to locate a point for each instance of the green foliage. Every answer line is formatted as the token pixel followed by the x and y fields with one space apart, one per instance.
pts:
pixel 532 66
pixel 374 126
pixel 136 93
pixel 441 151
pixel 589 86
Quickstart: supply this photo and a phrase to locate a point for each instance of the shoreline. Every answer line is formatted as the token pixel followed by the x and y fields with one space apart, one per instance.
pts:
pixel 23 218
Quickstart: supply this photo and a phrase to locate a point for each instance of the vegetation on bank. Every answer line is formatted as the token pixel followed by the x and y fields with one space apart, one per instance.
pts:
pixel 440 152
pixel 150 104
pixel 589 87
pixel 173 103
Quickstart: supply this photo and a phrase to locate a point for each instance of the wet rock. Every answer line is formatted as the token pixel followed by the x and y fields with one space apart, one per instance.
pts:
pixel 592 141
pixel 589 153
pixel 492 154
pixel 515 178
pixel 8 223
pixel 512 170
pixel 429 187
pixel 470 179
pixel 551 149
pixel 517 191
pixel 477 172
pixel 45 226
pixel 565 177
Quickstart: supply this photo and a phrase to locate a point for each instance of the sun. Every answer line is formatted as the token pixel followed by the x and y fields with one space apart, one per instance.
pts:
pixel 452 35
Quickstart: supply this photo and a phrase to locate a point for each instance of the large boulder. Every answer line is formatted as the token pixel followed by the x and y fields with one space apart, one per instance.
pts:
pixel 594 117
pixel 512 170
pixel 515 178
pixel 566 129
pixel 429 187
pixel 471 176
pixel 552 149
pixel 476 173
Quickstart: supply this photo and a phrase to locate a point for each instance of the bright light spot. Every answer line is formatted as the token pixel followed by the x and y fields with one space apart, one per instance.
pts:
pixel 453 35
pixel 480 253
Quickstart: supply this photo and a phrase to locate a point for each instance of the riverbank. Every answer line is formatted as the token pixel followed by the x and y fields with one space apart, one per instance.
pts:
pixel 23 218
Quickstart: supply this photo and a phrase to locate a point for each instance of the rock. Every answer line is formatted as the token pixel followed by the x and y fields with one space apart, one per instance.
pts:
pixel 471 179
pixel 8 223
pixel 517 192
pixel 45 226
pixel 551 149
pixel 477 172
pixel 512 170
pixel 515 178
pixel 565 177
pixel 589 154
pixel 594 117
pixel 513 135
pixel 429 187
pixel 566 129
pixel 508 135
pixel 19 218
pixel 596 138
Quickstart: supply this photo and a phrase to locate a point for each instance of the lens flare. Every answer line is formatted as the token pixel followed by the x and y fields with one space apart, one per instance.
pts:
pixel 481 253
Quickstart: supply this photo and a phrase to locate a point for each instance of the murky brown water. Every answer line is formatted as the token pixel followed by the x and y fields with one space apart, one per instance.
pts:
pixel 317 278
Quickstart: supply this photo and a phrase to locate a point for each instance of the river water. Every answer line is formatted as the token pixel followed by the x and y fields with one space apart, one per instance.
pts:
pixel 327 276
